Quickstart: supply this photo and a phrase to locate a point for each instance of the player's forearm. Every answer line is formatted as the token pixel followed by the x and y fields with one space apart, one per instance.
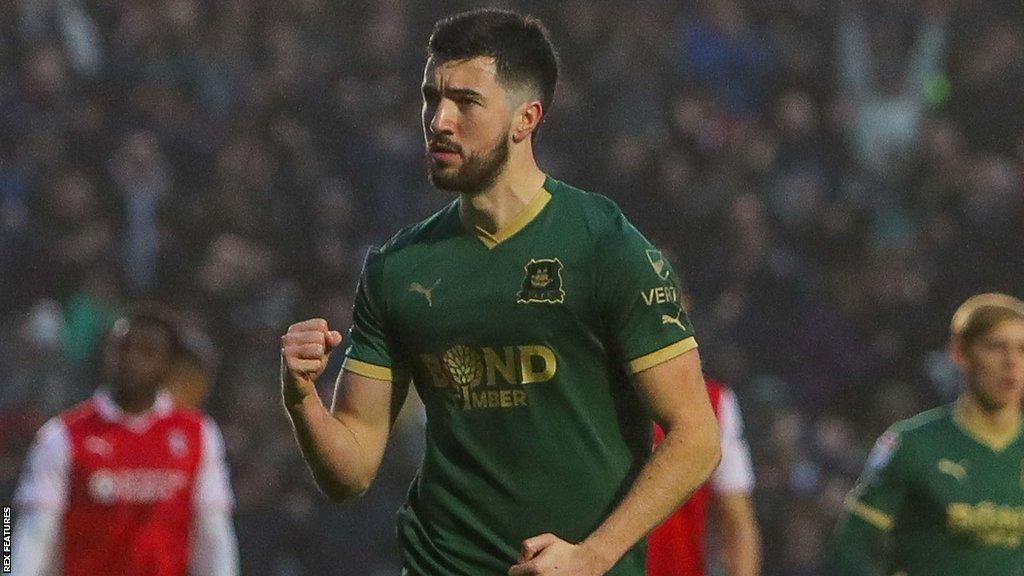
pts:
pixel 214 546
pixel 331 449
pixel 680 464
pixel 741 548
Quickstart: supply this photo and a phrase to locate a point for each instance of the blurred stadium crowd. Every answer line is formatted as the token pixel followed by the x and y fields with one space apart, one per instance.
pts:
pixel 832 179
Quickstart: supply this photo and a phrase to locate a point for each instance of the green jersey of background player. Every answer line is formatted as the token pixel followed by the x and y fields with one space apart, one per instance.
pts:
pixel 542 331
pixel 948 484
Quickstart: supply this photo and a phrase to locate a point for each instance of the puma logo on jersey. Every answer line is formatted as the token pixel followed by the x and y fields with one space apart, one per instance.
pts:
pixel 666 319
pixel 426 292
pixel 954 469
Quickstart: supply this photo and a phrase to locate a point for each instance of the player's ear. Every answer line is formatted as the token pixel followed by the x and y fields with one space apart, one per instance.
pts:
pixel 526 119
pixel 956 350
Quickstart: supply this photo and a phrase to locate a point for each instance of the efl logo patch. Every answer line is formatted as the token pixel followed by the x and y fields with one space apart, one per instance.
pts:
pixel 658 263
pixel 543 282
pixel 882 453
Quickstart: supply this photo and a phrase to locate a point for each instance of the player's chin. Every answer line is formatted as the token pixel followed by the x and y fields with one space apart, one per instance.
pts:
pixel 1002 394
pixel 444 178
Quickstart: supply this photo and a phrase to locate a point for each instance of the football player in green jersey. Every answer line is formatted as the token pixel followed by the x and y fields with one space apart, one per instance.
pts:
pixel 948 484
pixel 542 331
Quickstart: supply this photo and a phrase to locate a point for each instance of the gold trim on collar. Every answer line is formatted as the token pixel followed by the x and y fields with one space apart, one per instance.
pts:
pixel 536 205
pixel 995 442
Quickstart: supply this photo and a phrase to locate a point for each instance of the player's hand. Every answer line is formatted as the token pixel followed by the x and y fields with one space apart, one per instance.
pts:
pixel 548 554
pixel 305 350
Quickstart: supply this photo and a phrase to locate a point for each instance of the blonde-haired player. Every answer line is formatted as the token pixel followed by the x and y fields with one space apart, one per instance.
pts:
pixel 948 484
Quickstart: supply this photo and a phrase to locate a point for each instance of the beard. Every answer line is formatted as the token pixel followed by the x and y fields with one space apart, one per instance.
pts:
pixel 477 173
pixel 990 400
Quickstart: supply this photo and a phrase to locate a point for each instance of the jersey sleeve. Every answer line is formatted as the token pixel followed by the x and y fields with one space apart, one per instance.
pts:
pixel 36 548
pixel 882 487
pixel 213 485
pixel 735 473
pixel 639 300
pixel 44 482
pixel 369 353
pixel 213 545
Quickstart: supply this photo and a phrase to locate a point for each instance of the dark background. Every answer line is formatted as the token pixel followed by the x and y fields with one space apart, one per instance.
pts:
pixel 832 180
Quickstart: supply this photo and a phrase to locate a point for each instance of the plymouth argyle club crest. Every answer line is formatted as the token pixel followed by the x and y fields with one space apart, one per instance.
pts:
pixel 543 282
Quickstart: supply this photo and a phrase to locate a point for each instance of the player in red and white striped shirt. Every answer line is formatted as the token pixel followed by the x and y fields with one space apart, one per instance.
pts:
pixel 127 483
pixel 676 548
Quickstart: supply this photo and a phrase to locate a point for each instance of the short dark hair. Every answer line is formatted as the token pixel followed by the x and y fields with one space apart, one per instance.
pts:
pixel 520 45
pixel 154 315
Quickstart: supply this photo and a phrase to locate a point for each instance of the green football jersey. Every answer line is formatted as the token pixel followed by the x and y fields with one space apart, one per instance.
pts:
pixel 953 499
pixel 521 345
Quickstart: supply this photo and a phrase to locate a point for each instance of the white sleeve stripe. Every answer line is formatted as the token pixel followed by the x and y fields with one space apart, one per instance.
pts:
pixel 735 473
pixel 46 474
pixel 213 485
pixel 36 548
pixel 726 489
pixel 214 547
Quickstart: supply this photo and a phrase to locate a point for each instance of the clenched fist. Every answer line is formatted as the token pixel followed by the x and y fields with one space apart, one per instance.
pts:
pixel 305 350
pixel 549 555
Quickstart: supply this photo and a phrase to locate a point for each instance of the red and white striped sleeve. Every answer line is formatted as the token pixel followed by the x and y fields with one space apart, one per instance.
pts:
pixel 735 473
pixel 46 476
pixel 213 485
pixel 214 546
pixel 41 498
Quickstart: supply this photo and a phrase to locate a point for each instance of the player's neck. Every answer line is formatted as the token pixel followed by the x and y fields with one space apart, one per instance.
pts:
pixel 995 422
pixel 134 404
pixel 511 193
